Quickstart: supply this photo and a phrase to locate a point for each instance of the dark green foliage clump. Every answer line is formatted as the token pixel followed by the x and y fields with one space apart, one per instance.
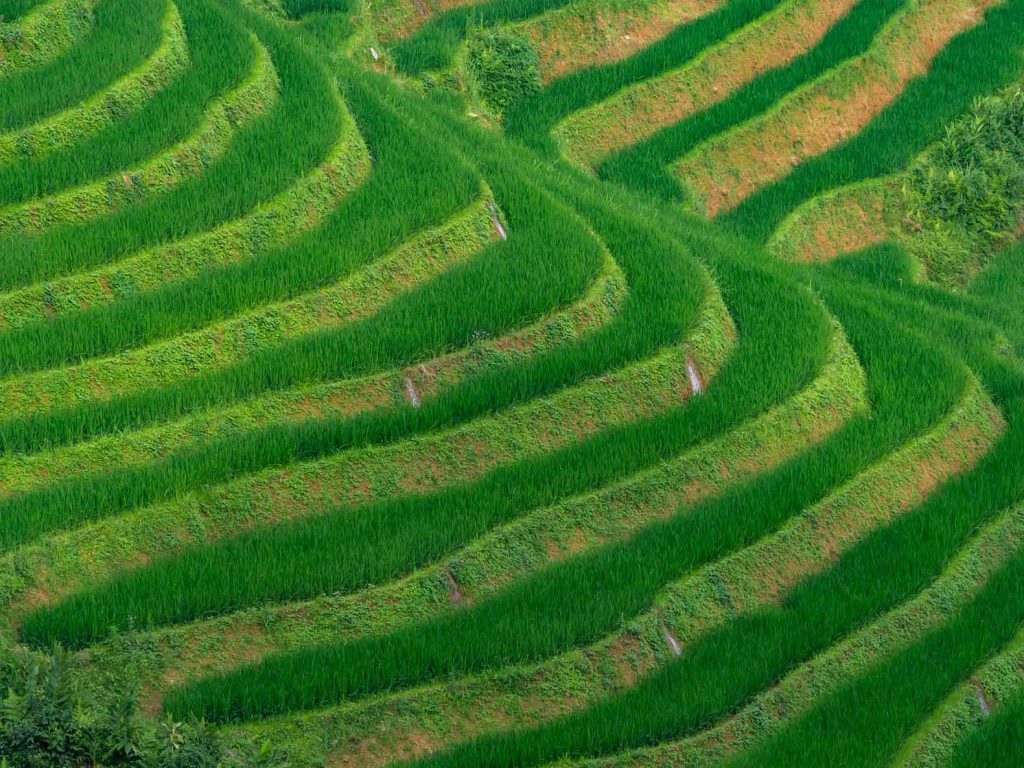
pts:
pixel 49 720
pixel 503 68
pixel 966 196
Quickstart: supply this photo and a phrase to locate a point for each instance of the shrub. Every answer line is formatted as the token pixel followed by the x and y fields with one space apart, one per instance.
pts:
pixel 969 189
pixel 49 720
pixel 502 68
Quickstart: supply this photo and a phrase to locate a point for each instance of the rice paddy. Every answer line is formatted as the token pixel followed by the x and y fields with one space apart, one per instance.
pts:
pixel 463 383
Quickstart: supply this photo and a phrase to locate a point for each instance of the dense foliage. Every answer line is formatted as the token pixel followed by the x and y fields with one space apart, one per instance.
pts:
pixel 49 719
pixel 966 196
pixel 502 68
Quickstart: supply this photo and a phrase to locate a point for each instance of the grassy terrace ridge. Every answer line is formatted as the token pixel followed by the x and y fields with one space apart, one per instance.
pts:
pixel 312 119
pixel 353 479
pixel 273 223
pixel 839 222
pixel 990 687
pixel 374 391
pixel 228 343
pixel 730 168
pixel 109 106
pixel 412 385
pixel 125 34
pixel 984 556
pixel 253 97
pixel 367 682
pixel 637 112
pixel 542 537
pixel 219 54
pixel 43 33
pixel 656 637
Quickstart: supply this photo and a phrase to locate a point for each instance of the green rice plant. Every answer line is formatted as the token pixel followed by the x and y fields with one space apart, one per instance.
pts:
pixel 601 403
pixel 271 224
pixel 520 593
pixel 124 34
pixel 254 96
pixel 400 657
pixel 348 397
pixel 790 698
pixel 131 92
pixel 495 429
pixel 43 33
pixel 231 342
pixel 12 9
pixel 219 54
pixel 633 713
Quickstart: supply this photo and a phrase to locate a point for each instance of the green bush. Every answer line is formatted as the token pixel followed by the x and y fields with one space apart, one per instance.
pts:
pixel 48 720
pixel 502 68
pixel 969 190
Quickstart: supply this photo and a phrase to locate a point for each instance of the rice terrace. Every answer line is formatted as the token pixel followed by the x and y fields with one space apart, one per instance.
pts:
pixel 511 383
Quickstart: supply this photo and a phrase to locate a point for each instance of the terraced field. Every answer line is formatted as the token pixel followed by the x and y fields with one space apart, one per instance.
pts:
pixel 463 383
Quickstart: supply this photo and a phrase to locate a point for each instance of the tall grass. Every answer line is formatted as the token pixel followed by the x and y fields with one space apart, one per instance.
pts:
pixel 263 160
pixel 220 55
pixel 126 32
pixel 576 602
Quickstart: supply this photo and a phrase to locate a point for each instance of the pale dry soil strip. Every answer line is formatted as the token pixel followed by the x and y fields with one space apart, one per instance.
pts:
pixel 838 223
pixel 578 36
pixel 393 20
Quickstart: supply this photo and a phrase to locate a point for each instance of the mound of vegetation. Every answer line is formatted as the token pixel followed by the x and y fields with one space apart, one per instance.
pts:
pixel 966 196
